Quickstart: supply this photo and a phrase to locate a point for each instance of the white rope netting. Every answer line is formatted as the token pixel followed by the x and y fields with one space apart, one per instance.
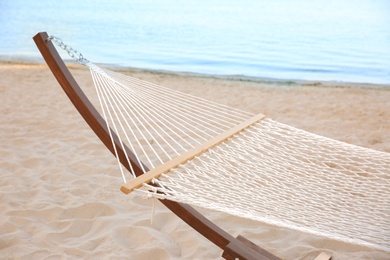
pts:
pixel 268 172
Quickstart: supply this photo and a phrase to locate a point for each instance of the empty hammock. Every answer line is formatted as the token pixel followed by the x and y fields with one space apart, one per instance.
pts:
pixel 209 155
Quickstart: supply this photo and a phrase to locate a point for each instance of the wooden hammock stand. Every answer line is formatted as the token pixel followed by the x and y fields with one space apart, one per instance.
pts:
pixel 233 247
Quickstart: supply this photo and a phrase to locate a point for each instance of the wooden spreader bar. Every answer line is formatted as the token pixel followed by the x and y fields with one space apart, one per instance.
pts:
pixel 190 154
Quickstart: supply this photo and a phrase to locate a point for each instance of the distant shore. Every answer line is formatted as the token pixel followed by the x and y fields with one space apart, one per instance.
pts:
pixel 275 81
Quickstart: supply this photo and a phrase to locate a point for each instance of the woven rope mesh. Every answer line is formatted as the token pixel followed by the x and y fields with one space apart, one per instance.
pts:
pixel 287 177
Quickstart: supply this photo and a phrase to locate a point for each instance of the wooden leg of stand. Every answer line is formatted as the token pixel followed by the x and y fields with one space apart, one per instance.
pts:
pixel 323 256
pixel 243 249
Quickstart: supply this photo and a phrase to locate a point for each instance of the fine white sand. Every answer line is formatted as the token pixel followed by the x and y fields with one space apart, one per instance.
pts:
pixel 59 185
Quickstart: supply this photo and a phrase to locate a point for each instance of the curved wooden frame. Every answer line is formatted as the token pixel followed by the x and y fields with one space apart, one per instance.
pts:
pixel 232 247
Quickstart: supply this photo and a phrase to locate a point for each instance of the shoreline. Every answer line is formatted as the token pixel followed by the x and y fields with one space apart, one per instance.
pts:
pixel 238 78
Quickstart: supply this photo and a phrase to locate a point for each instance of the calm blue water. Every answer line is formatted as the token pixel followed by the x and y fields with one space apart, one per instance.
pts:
pixel 343 40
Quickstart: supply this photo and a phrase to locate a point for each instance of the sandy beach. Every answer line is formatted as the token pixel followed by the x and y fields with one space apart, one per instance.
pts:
pixel 59 185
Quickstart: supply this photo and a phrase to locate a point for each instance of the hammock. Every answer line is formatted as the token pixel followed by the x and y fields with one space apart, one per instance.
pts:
pixel 193 151
pixel 262 170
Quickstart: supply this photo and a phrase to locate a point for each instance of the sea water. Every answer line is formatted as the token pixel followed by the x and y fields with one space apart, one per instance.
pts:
pixel 343 40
